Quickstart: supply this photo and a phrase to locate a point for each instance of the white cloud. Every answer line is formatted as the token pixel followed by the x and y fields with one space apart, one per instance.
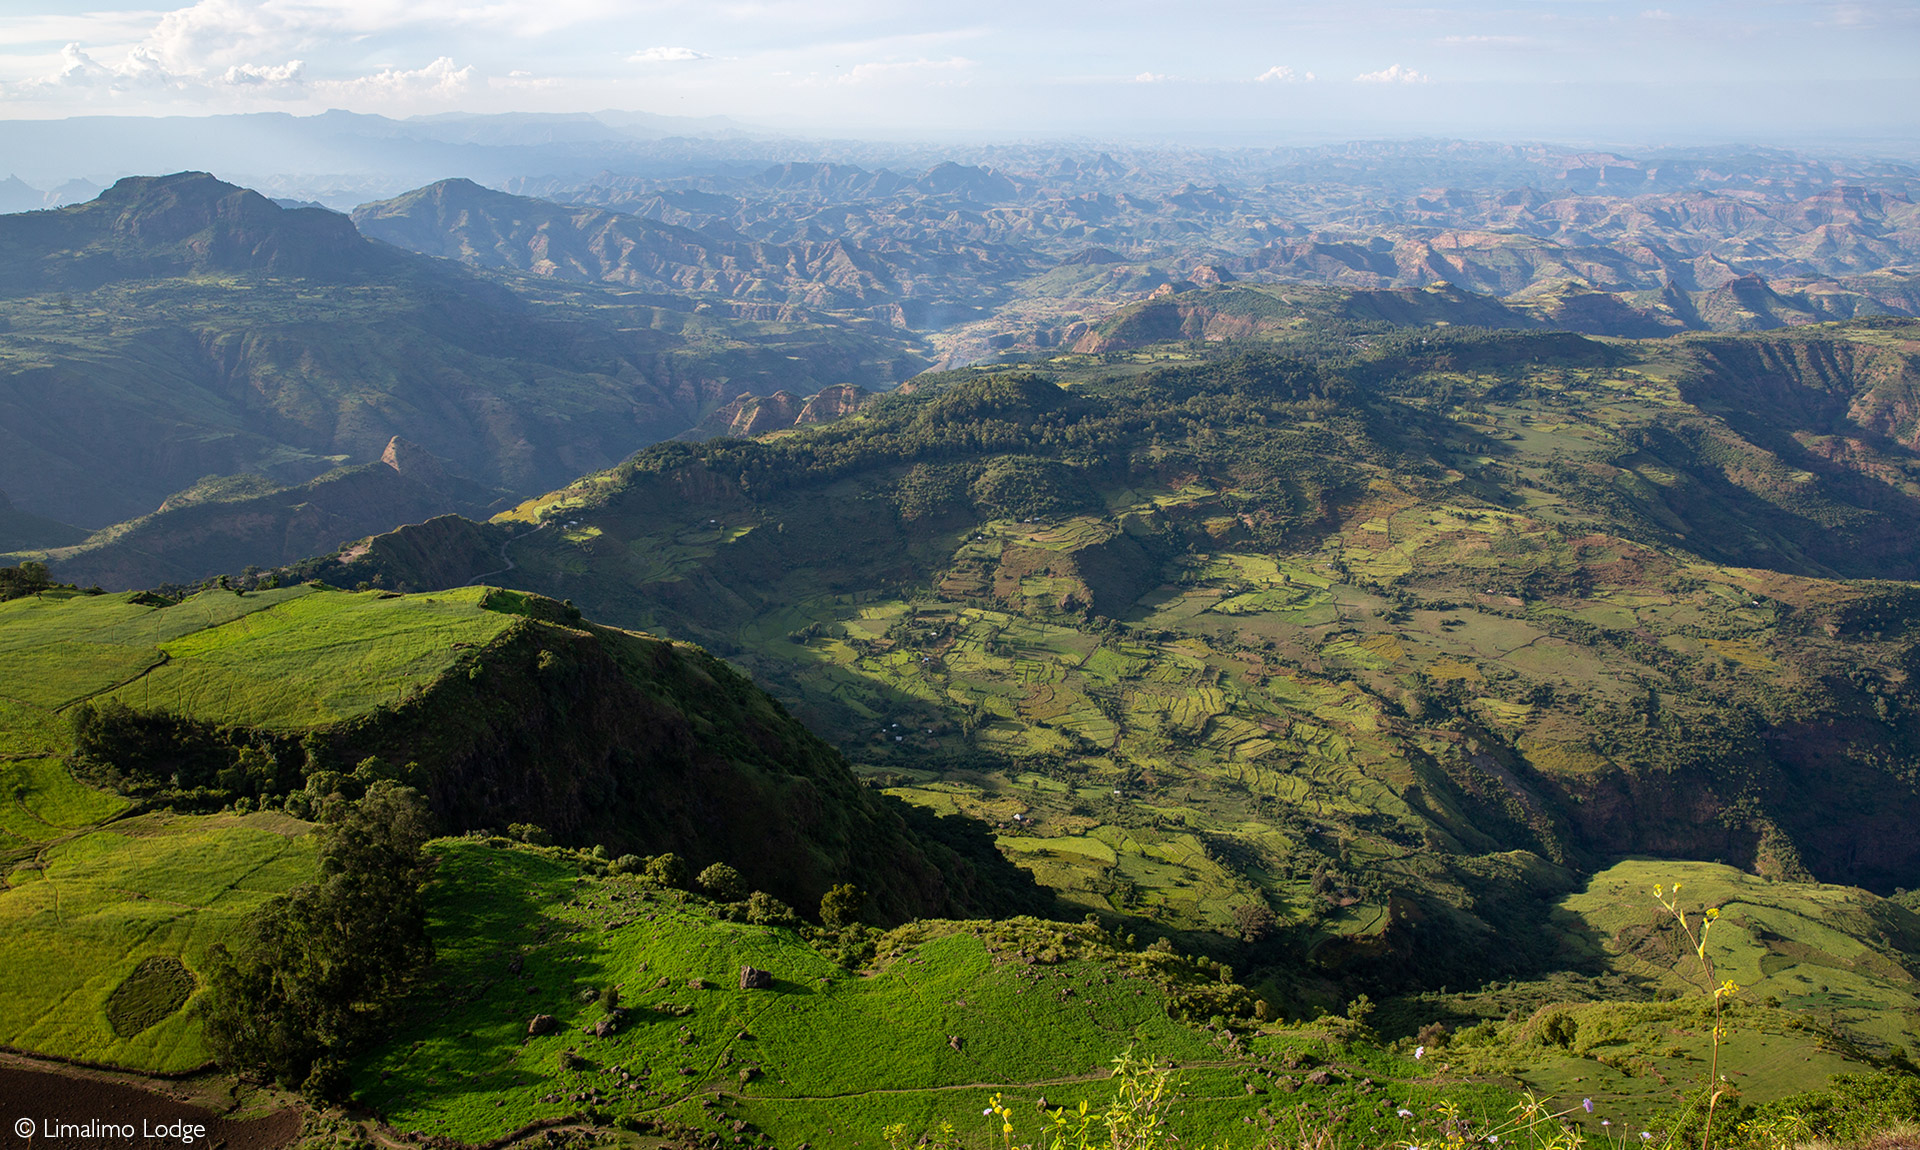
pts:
pixel 1151 78
pixel 521 80
pixel 439 80
pixel 1282 74
pixel 1393 75
pixel 79 71
pixel 265 75
pixel 665 55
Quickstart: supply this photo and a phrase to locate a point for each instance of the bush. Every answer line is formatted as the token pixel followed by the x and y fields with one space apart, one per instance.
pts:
pixel 723 883
pixel 530 834
pixel 765 910
pixel 668 870
pixel 840 907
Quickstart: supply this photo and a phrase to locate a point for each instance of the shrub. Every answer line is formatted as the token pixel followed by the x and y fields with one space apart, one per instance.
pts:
pixel 765 910
pixel 840 907
pixel 723 882
pixel 668 870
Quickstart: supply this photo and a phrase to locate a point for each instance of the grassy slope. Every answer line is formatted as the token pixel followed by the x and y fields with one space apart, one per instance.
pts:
pixel 834 1055
pixel 88 907
pixel 513 712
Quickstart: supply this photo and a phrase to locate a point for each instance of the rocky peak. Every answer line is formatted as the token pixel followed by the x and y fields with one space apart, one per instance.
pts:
pixel 413 461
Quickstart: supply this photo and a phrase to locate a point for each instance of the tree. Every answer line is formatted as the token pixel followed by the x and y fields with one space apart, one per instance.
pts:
pixel 765 910
pixel 840 907
pixel 312 974
pixel 724 883
pixel 668 870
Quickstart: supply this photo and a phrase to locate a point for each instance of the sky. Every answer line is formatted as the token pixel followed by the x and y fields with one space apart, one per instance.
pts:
pixel 1789 71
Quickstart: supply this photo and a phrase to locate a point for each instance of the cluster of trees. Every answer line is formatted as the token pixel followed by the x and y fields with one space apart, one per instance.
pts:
pixel 28 578
pixel 1017 445
pixel 193 765
pixel 317 972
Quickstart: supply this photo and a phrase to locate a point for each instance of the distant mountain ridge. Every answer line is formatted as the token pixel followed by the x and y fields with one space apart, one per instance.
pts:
pixel 182 225
pixel 217 527
pixel 179 327
pixel 462 221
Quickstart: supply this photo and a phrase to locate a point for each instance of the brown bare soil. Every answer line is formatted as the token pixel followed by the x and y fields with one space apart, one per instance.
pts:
pixel 45 1096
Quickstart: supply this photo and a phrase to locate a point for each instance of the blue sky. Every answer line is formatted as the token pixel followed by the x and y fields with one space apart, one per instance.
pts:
pixel 1795 71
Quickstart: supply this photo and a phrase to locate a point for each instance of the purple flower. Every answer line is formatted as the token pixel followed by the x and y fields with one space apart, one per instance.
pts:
pixel 1419 1052
pixel 1587 1105
pixel 1404 1112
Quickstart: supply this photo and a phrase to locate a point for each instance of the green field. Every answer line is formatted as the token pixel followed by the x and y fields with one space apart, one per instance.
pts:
pixel 279 660
pixel 81 914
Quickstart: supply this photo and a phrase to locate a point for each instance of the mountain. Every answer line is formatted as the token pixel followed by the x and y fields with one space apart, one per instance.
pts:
pixel 179 327
pixel 1390 642
pixel 751 415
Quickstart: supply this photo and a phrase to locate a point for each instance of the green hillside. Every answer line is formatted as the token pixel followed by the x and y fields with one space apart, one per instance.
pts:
pixel 948 1014
pixel 1356 659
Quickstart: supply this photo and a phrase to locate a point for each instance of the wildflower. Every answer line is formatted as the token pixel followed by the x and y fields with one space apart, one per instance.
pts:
pixel 1646 1136
pixel 1587 1105
pixel 1419 1052
pixel 1606 1122
pixel 987 1113
pixel 1404 1112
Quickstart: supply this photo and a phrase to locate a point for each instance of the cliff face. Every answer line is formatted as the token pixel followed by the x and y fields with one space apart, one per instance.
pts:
pixel 750 415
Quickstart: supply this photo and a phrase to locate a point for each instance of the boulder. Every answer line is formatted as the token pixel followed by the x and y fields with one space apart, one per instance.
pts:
pixel 752 979
pixel 541 1024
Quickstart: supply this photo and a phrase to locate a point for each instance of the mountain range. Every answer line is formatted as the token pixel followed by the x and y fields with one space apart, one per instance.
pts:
pixel 178 328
